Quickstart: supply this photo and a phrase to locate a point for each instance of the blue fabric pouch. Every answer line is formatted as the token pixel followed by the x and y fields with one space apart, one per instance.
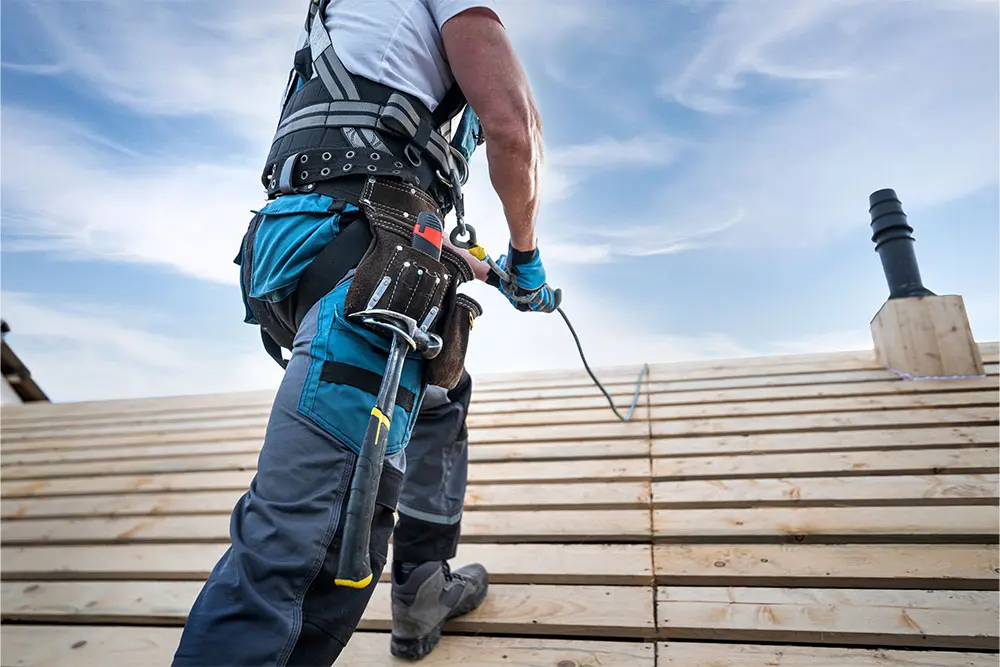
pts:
pixel 343 410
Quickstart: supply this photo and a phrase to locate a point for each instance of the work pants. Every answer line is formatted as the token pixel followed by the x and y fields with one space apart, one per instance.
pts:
pixel 271 598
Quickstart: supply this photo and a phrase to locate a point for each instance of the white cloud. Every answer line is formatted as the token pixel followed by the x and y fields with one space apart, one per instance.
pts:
pixel 219 60
pixel 92 352
pixel 913 106
pixel 637 152
pixel 746 38
pixel 189 217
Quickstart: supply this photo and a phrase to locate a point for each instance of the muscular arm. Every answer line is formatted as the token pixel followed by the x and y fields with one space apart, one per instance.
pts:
pixel 489 73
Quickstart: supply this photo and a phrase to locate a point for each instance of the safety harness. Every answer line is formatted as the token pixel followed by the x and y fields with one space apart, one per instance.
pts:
pixel 336 124
pixel 337 131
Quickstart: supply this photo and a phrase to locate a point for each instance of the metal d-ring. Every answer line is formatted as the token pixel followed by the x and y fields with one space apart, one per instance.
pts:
pixel 461 230
pixel 411 154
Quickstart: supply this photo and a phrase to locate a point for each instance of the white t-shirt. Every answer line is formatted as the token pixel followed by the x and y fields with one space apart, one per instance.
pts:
pixel 397 42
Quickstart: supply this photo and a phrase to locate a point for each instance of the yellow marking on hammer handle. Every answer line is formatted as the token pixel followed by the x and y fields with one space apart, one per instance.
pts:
pixel 349 583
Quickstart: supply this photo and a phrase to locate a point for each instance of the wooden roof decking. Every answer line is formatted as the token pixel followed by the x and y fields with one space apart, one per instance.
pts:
pixel 797 511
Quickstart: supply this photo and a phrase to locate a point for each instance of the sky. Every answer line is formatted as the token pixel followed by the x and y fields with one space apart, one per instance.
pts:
pixel 705 195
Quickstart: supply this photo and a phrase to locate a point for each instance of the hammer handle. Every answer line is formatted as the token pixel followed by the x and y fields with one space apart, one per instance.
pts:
pixel 353 567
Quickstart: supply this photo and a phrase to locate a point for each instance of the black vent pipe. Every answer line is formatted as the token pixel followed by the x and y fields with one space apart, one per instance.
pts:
pixel 893 239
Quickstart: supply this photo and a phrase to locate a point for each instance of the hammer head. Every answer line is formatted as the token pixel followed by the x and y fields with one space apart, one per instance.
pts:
pixel 427 344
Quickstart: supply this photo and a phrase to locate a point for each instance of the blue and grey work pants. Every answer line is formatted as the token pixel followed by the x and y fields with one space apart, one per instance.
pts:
pixel 271 598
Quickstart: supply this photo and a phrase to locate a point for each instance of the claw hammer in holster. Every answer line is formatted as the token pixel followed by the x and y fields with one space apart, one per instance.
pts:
pixel 353 568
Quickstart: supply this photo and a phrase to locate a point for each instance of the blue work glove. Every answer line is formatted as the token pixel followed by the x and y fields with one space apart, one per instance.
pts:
pixel 532 293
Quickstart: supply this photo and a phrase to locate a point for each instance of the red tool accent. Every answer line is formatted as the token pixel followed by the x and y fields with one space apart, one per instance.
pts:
pixel 428 233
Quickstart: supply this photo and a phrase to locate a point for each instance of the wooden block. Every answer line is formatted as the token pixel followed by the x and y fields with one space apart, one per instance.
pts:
pixel 926 336
pixel 527 526
pixel 596 564
pixel 94 646
pixel 883 439
pixel 910 490
pixel 989 398
pixel 837 421
pixel 964 524
pixel 606 611
pixel 937 619
pixel 931 566
pixel 973 461
pixel 692 654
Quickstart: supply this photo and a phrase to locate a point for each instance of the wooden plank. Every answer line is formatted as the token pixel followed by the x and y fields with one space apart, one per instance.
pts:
pixel 850 404
pixel 905 438
pixel 557 412
pixel 517 452
pixel 692 654
pixel 932 619
pixel 837 421
pixel 787 380
pixel 974 461
pixel 512 526
pixel 606 611
pixel 594 564
pixel 890 402
pixel 191 481
pixel 929 566
pixel 193 420
pixel 977 524
pixel 912 490
pixel 491 435
pixel 481 472
pixel 659 387
pixel 619 495
pixel 90 646
pixel 821 390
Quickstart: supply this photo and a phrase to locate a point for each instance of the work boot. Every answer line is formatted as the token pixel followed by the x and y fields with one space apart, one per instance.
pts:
pixel 425 598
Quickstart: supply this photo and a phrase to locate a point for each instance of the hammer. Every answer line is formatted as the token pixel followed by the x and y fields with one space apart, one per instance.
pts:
pixel 353 568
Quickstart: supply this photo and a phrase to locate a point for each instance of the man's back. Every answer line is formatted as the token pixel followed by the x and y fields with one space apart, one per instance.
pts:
pixel 397 42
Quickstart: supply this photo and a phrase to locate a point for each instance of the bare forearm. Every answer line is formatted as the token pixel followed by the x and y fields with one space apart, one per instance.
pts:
pixel 489 73
pixel 515 164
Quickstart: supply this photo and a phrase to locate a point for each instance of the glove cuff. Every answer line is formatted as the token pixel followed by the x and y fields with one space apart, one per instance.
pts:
pixel 521 257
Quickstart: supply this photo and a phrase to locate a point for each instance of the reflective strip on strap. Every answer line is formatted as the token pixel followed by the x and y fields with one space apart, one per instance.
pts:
pixel 327 65
pixel 326 121
pixel 332 108
pixel 402 124
pixel 340 72
pixel 397 100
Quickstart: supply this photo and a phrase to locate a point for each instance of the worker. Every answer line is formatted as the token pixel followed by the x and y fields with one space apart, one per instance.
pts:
pixel 362 148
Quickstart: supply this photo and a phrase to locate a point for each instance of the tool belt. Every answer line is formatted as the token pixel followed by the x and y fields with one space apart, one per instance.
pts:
pixel 388 274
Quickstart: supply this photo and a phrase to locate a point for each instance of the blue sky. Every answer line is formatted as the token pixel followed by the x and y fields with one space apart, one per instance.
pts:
pixel 706 188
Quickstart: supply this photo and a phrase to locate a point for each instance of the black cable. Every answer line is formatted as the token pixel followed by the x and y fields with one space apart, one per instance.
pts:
pixel 638 382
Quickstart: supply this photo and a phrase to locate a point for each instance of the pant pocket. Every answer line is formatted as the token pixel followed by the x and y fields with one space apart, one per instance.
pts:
pixel 347 363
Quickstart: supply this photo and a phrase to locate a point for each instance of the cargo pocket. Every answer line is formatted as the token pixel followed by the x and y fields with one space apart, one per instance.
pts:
pixel 346 366
pixel 290 232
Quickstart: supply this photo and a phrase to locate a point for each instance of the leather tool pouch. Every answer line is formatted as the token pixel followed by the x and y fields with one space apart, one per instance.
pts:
pixel 394 276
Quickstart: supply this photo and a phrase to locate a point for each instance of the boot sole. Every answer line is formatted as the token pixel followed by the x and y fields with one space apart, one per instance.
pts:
pixel 417 649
